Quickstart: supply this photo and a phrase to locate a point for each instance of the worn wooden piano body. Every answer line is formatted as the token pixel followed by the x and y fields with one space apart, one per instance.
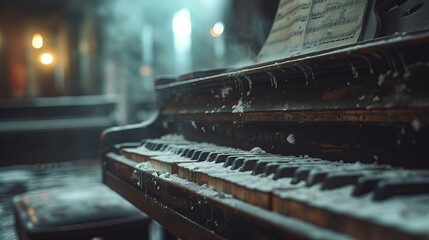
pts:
pixel 344 135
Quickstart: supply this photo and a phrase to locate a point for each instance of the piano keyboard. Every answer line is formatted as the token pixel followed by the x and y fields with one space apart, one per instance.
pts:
pixel 365 201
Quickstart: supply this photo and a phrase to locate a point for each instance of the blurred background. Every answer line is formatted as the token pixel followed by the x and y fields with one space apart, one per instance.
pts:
pixel 71 68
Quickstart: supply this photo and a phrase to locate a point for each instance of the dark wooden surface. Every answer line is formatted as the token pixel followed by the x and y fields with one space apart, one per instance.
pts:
pixel 192 215
pixel 368 102
pixel 178 224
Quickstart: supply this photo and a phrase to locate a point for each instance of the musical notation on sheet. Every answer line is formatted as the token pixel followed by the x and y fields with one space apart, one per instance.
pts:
pixel 303 26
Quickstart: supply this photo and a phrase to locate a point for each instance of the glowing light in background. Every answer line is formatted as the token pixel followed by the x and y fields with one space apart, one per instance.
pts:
pixel 217 29
pixel 145 70
pixel 182 29
pixel 182 22
pixel 37 41
pixel 46 58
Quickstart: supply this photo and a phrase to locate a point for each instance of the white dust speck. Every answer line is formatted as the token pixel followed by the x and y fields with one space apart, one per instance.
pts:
pixel 220 195
pixel 194 124
pixel 416 124
pixel 407 73
pixel 173 137
pixel 376 99
pixel 381 79
pixel 400 88
pixel 291 139
pixel 395 74
pixel 354 71
pixel 273 80
pixel 225 91
pixel 257 150
pixel 239 107
pixel 250 84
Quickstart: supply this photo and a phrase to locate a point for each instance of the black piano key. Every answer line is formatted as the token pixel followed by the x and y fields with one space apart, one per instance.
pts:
pixel 270 168
pixel 212 156
pixel 190 153
pixel 169 148
pixel 157 146
pixel 238 162
pixel 336 180
pixel 248 164
pixel 365 184
pixel 300 171
pixel 259 167
pixel 162 146
pixel 319 175
pixel 400 187
pixel 285 171
pixel 203 156
pixel 300 174
pixel 229 161
pixel 288 170
pixel 174 147
pixel 185 152
pixel 220 158
pixel 179 151
pixel 316 176
pixel 148 145
pixel 196 155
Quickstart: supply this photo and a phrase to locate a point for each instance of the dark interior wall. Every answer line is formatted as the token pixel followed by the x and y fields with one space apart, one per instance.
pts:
pixel 251 22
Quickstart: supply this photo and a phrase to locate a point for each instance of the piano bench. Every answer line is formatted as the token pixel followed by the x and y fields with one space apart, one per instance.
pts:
pixel 89 212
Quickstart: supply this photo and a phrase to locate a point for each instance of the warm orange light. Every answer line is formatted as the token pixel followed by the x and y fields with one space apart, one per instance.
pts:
pixel 37 41
pixel 145 70
pixel 217 29
pixel 34 219
pixel 46 58
pixel 31 211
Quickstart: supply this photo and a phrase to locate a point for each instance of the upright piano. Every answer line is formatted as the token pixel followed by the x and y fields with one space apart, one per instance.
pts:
pixel 331 144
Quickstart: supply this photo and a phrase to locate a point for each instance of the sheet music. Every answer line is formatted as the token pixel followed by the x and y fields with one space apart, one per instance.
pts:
pixel 303 26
